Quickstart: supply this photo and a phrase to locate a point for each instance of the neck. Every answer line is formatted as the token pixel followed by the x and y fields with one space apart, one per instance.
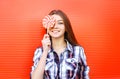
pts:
pixel 58 43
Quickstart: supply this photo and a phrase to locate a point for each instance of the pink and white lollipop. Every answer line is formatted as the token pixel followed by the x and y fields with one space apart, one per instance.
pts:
pixel 48 22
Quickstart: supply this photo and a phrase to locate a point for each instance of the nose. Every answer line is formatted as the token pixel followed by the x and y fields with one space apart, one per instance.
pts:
pixel 55 25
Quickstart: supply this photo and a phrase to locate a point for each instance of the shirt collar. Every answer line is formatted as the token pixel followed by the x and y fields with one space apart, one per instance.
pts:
pixel 69 47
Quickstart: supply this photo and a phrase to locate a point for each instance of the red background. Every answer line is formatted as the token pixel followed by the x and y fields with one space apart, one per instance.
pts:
pixel 96 24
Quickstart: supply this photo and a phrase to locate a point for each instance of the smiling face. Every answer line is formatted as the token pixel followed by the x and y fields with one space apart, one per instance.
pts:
pixel 58 30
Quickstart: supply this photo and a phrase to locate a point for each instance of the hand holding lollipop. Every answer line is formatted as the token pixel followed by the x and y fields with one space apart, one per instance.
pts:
pixel 48 22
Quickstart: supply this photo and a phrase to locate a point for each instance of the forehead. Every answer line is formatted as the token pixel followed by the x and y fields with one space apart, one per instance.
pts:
pixel 57 17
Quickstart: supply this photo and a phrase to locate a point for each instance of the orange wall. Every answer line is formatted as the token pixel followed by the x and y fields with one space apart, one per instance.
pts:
pixel 96 24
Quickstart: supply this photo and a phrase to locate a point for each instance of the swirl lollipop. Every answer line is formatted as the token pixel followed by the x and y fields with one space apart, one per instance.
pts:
pixel 48 22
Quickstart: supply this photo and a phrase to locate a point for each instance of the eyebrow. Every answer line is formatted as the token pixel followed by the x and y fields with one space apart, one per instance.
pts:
pixel 60 20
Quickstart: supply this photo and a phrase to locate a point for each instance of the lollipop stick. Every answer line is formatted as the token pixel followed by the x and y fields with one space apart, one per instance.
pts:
pixel 47 30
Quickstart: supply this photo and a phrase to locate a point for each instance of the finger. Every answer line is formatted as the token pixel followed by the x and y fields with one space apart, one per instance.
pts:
pixel 46 36
pixel 49 44
pixel 46 42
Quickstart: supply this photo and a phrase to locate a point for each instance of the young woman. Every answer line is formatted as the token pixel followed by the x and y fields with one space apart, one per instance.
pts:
pixel 60 57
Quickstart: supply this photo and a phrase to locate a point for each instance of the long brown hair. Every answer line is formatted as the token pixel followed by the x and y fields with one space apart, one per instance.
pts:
pixel 69 35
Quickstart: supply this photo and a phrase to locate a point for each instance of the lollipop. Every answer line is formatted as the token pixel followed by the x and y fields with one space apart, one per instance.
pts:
pixel 48 22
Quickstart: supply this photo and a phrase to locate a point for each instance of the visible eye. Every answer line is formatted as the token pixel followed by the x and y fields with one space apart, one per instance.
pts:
pixel 60 23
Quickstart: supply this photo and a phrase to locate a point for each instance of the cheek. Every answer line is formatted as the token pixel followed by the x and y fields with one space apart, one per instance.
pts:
pixel 63 31
pixel 62 27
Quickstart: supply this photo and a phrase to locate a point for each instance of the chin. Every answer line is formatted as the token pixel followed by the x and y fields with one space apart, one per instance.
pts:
pixel 56 37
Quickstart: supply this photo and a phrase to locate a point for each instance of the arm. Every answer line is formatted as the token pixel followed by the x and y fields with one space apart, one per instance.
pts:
pixel 40 59
pixel 84 67
pixel 39 70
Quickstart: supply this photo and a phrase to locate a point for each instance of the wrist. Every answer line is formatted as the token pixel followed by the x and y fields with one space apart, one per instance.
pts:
pixel 45 52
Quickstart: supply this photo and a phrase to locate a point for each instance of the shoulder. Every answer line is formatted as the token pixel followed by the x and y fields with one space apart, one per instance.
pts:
pixel 38 51
pixel 78 48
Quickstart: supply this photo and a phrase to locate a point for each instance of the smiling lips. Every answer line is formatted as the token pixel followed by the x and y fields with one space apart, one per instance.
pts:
pixel 55 31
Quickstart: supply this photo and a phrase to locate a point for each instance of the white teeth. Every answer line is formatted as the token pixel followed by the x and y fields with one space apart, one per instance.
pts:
pixel 55 31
